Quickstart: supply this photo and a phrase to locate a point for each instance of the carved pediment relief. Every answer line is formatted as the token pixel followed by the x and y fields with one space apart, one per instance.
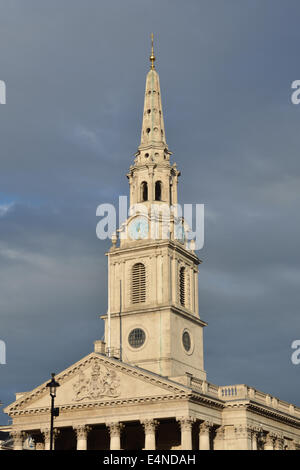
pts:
pixel 101 382
pixel 97 379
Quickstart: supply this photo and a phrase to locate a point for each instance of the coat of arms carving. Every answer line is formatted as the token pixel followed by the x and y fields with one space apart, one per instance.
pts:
pixel 102 382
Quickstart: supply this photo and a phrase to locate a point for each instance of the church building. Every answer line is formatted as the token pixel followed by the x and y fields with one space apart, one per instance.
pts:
pixel 144 386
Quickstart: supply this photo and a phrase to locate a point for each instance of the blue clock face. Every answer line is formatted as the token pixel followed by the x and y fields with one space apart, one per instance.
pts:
pixel 179 233
pixel 138 229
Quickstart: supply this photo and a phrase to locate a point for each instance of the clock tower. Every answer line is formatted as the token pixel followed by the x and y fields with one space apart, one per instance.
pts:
pixel 153 315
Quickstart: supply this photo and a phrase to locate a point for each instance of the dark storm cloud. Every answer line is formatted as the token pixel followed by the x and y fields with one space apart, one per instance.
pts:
pixel 75 75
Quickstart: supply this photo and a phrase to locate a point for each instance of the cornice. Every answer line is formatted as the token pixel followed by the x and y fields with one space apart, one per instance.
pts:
pixel 119 366
pixel 206 400
pixel 146 310
pixel 102 404
pixel 156 244
pixel 265 411
pixel 274 414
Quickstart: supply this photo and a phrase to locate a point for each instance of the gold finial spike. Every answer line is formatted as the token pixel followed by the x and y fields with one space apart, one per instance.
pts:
pixel 152 57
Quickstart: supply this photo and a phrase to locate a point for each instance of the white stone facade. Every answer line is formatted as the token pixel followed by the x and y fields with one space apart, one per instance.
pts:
pixel 145 386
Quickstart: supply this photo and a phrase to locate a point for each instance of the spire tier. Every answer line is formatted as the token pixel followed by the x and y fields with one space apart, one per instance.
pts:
pixel 153 128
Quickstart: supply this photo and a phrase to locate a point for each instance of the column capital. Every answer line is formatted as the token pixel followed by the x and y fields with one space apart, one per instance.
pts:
pixel 186 422
pixel 82 431
pixel 220 431
pixel 46 433
pixel 256 429
pixel 149 425
pixel 279 442
pixel 115 429
pixel 269 440
pixel 18 436
pixel 205 427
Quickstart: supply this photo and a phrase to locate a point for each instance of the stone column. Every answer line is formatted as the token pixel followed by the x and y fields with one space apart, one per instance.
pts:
pixel 269 442
pixel 18 438
pixel 82 433
pixel 150 426
pixel 115 430
pixel 150 185
pixel 46 434
pixel 278 442
pixel 254 438
pixel 186 432
pixel 219 438
pixel 204 435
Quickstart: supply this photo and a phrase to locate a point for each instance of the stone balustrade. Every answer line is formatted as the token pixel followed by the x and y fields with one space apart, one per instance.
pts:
pixel 243 392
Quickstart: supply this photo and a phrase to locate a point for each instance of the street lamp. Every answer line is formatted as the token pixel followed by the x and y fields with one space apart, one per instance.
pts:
pixel 54 411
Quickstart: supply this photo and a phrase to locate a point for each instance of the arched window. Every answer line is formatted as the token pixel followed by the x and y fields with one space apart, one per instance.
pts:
pixel 144 191
pixel 158 187
pixel 138 293
pixel 182 286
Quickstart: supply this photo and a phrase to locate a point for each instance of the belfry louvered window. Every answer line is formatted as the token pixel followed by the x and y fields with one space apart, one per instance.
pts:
pixel 182 286
pixel 138 283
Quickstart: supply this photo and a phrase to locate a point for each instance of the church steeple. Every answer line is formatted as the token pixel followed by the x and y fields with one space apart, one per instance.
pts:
pixel 153 178
pixel 153 275
pixel 153 129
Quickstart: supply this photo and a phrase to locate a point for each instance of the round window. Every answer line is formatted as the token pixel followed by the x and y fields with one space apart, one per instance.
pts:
pixel 136 338
pixel 186 341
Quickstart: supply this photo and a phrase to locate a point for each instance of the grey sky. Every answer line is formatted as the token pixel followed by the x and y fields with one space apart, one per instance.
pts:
pixel 75 74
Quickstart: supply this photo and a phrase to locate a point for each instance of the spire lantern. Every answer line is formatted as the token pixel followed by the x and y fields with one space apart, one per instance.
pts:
pixel 152 57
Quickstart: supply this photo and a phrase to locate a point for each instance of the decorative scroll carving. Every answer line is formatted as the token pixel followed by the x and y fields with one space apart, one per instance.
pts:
pixel 102 382
pixel 46 434
pixel 82 431
pixel 269 440
pixel 115 429
pixel 279 442
pixel 220 433
pixel 205 427
pixel 150 425
pixel 186 423
pixel 18 437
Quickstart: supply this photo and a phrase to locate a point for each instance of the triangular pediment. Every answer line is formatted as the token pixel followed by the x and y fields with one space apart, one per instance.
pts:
pixel 95 379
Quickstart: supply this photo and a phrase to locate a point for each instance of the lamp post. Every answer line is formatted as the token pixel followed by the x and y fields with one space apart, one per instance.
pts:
pixel 54 411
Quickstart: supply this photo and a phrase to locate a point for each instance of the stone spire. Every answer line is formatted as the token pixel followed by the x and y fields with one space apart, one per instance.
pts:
pixel 153 129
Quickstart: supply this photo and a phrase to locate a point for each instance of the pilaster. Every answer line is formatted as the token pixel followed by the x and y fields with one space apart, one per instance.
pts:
pixel 18 438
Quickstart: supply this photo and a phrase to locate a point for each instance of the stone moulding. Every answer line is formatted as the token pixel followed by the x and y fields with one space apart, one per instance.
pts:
pixel 101 404
pixel 120 402
pixel 266 412
pixel 132 371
